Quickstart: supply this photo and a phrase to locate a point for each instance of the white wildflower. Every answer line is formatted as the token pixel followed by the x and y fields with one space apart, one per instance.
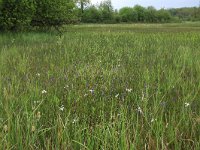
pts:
pixel 75 120
pixel 33 128
pixel 143 97
pixel 152 120
pixel 38 115
pixel 85 95
pixel 36 102
pixel 187 104
pixel 166 126
pixel 62 108
pixel 38 74
pixel 129 90
pixel 92 91
pixel 66 86
pixel 116 95
pixel 139 110
pixel 12 41
pixel 5 128
pixel 44 91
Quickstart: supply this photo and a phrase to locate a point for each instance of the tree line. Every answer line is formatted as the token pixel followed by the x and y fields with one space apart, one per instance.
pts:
pixel 104 13
pixel 25 14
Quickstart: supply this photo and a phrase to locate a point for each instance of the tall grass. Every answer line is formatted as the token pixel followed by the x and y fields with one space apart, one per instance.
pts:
pixel 101 87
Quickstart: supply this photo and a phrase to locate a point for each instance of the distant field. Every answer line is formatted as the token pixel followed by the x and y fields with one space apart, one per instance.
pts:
pixel 128 86
pixel 170 27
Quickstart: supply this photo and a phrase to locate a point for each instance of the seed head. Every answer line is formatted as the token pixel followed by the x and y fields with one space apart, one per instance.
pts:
pixel 5 128
pixel 38 115
pixel 33 128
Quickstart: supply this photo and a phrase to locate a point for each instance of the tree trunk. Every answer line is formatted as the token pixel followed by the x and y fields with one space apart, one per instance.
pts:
pixel 82 6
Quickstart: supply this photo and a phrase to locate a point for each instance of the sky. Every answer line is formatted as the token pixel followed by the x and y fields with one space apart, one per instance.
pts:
pixel 117 4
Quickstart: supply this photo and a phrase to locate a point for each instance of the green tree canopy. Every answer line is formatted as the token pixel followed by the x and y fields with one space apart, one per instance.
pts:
pixel 53 12
pixel 91 15
pixel 19 14
pixel 16 14
pixel 106 10
pixel 163 15
pixel 151 14
pixel 128 14
pixel 141 11
pixel 82 4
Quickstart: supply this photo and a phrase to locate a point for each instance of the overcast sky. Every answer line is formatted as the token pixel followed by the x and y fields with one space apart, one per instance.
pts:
pixel 156 3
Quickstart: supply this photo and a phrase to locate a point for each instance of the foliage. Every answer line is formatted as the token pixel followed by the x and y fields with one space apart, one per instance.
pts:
pixel 92 15
pixel 151 14
pixel 141 12
pixel 164 15
pixel 53 12
pixel 82 4
pixel 116 17
pixel 16 14
pixel 128 14
pixel 20 14
pixel 186 13
pixel 106 10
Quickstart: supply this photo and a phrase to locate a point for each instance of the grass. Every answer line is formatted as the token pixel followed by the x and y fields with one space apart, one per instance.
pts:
pixel 101 87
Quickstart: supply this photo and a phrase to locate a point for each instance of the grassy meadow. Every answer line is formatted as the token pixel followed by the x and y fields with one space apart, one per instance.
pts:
pixel 107 87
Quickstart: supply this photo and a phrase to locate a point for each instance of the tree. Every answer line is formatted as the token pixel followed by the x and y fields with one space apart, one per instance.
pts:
pixel 164 15
pixel 19 14
pixel 117 17
pixel 83 4
pixel 106 10
pixel 53 13
pixel 91 15
pixel 185 14
pixel 141 12
pixel 128 14
pixel 151 14
pixel 16 14
pixel 0 4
